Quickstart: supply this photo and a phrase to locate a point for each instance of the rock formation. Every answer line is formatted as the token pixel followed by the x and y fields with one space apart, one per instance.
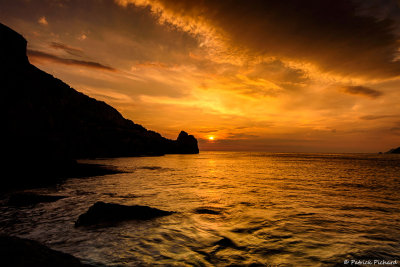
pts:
pixel 210 211
pixel 19 252
pixel 186 144
pixel 47 124
pixel 394 151
pixel 102 212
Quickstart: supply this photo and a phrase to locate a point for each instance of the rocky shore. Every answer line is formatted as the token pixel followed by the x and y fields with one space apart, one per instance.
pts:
pixel 20 252
pixel 47 125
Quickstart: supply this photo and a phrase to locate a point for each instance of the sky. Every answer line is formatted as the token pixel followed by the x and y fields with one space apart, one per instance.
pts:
pixel 259 75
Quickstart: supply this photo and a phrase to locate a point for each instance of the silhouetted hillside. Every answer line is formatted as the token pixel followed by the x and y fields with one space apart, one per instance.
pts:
pixel 45 120
pixel 394 151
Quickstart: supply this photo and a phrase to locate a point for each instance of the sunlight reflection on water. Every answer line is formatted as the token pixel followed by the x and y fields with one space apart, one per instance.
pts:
pixel 288 209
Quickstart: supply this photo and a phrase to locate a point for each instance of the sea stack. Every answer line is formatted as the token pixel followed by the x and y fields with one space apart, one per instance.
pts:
pixel 187 144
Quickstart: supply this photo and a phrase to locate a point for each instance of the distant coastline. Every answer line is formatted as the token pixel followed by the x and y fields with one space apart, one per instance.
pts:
pixel 394 151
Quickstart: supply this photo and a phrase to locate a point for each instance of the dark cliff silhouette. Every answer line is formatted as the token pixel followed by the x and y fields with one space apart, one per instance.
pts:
pixel 48 124
pixel 394 151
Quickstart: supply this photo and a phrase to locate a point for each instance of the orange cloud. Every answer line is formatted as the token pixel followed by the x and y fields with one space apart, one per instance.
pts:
pixel 43 21
pixel 329 34
pixel 267 75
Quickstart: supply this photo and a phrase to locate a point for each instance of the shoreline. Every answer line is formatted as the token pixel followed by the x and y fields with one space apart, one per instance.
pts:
pixel 35 176
pixel 21 252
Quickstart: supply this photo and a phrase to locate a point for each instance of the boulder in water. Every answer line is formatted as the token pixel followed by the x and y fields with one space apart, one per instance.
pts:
pixel 226 243
pixel 211 211
pixel 102 212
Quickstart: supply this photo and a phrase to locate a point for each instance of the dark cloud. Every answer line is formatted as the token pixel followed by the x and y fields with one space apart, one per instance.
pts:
pixel 69 49
pixel 362 90
pixel 277 72
pixel 68 61
pixel 380 9
pixel 241 136
pixel 375 117
pixel 331 33
pixel 123 34
pixel 209 131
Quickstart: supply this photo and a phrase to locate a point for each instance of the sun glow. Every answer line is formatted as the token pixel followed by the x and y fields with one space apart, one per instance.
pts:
pixel 211 138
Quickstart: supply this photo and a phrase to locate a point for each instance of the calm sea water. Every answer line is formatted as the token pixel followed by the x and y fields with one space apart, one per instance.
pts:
pixel 274 209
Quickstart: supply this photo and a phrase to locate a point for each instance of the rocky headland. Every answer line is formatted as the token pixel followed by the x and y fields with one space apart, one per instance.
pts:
pixel 394 151
pixel 47 125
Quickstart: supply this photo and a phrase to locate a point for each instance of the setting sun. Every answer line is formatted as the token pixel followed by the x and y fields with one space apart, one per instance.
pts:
pixel 212 133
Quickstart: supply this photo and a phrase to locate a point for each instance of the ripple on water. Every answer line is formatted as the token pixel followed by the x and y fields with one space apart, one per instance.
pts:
pixel 239 209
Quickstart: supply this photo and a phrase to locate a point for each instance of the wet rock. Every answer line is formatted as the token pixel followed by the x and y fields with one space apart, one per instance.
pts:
pixel 207 211
pixel 19 252
pixel 102 212
pixel 28 199
pixel 226 243
pixel 151 168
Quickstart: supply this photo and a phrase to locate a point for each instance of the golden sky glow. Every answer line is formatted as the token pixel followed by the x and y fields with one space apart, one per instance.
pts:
pixel 281 76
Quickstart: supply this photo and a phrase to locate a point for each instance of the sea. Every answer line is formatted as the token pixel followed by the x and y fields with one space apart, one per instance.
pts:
pixel 232 209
